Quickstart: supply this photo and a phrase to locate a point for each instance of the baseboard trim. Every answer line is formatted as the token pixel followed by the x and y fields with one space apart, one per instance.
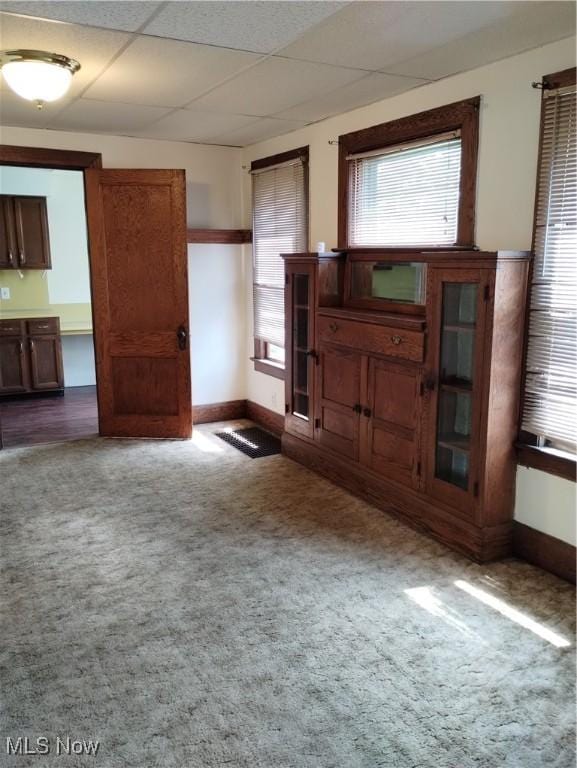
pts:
pixel 270 420
pixel 545 551
pixel 227 411
pixel 239 409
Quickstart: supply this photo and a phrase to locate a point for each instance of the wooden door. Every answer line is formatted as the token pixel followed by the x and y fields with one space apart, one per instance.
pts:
pixel 392 443
pixel 339 399
pixel 14 370
pixel 457 319
pixel 45 362
pixel 31 223
pixel 300 353
pixel 7 233
pixel 138 261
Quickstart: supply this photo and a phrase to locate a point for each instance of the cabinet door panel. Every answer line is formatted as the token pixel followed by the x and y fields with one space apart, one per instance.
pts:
pixel 457 323
pixel 339 398
pixel 299 353
pixel 7 233
pixel 14 373
pixel 32 233
pixel 46 362
pixel 393 432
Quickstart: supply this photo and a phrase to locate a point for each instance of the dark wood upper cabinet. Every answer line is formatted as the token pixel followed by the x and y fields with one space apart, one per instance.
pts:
pixel 24 238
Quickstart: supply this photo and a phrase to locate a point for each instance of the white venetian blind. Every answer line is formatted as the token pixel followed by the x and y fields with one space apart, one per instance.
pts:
pixel 550 411
pixel 407 194
pixel 279 226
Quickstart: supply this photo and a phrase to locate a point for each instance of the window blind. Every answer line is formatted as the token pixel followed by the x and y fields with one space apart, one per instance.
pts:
pixel 407 195
pixel 280 225
pixel 550 411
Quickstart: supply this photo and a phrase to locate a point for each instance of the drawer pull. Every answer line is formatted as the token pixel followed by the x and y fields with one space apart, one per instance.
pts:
pixel 42 325
pixel 21 347
pixel 22 258
pixel 10 258
pixel 396 340
pixel 333 327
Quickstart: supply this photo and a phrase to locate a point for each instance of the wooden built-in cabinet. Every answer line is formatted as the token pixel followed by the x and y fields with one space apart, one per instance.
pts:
pixel 415 409
pixel 30 356
pixel 24 241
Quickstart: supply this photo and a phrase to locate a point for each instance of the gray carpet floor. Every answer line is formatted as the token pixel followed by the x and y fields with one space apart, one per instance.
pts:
pixel 189 607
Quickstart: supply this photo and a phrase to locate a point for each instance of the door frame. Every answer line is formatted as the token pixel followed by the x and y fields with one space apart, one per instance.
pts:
pixel 61 159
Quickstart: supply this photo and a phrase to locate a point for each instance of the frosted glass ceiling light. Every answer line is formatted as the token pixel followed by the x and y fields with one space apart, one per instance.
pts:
pixel 38 76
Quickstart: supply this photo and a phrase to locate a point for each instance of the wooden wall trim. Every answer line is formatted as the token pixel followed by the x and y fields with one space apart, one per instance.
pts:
pixel 239 409
pixel 270 420
pixel 48 158
pixel 545 551
pixel 227 411
pixel 219 236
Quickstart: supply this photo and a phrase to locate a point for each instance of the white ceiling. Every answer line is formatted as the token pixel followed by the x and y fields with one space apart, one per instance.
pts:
pixel 238 72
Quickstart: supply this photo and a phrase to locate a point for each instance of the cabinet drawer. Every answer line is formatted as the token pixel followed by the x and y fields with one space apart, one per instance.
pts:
pixel 11 327
pixel 379 339
pixel 43 325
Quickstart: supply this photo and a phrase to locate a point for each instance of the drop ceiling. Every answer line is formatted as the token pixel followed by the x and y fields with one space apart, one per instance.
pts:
pixel 234 73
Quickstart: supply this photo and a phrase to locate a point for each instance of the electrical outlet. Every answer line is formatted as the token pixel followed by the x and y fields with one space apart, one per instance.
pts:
pixel 5 293
pixel 273 399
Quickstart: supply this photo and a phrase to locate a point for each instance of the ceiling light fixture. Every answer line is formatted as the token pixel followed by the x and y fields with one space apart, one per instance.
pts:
pixel 37 76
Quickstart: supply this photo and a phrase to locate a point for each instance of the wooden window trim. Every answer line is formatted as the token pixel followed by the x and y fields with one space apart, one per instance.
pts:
pixel 546 460
pixel 461 115
pixel 528 454
pixel 261 363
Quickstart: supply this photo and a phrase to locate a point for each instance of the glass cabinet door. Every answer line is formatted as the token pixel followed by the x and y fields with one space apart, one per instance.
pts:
pixel 458 333
pixel 300 295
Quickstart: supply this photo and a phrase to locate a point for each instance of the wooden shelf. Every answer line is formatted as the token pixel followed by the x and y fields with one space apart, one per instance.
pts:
pixel 457 385
pixel 455 442
pixel 459 327
pixel 219 236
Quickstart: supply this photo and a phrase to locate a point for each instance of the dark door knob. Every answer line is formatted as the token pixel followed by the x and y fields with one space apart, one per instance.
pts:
pixel 357 408
pixel 367 412
pixel 182 336
pixel 430 383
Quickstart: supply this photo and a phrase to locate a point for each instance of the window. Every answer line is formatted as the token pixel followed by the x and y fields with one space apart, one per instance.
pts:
pixel 280 225
pixel 550 392
pixel 411 183
pixel 406 195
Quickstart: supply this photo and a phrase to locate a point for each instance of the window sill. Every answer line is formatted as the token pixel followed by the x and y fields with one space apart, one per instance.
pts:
pixel 547 460
pixel 267 366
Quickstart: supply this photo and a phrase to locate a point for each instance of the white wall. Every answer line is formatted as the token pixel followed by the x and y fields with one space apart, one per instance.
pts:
pixel 215 275
pixel 508 146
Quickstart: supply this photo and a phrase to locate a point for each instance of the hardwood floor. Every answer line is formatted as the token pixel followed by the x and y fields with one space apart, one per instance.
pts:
pixel 30 421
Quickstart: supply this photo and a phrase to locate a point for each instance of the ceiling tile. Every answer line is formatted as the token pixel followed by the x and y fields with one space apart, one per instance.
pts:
pixel 103 117
pixel 250 26
pixel 188 125
pixel 93 48
pixel 166 72
pixel 373 87
pixel 534 24
pixel 276 84
pixel 372 35
pixel 22 113
pixel 266 128
pixel 112 15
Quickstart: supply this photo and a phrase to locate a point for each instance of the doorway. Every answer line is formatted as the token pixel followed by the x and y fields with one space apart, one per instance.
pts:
pixel 137 254
pixel 47 362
